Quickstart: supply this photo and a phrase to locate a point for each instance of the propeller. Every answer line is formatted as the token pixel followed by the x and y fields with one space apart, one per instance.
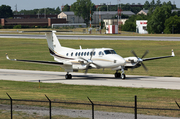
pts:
pixel 89 61
pixel 140 60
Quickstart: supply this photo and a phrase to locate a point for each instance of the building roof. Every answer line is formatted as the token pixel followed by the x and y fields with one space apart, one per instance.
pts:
pixel 103 12
pixel 143 12
pixel 146 11
pixel 68 13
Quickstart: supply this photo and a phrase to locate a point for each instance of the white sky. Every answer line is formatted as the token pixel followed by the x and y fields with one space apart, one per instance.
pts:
pixel 36 4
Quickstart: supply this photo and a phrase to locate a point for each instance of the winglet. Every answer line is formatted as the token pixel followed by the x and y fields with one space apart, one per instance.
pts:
pixel 7 56
pixel 173 53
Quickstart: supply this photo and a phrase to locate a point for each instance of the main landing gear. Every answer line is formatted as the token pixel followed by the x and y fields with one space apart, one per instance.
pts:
pixel 68 76
pixel 120 75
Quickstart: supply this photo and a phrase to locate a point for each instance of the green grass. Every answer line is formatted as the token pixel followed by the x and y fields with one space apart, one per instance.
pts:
pixel 36 49
pixel 28 90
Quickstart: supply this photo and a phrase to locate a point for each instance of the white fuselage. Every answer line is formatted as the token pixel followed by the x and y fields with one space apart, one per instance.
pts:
pixel 103 57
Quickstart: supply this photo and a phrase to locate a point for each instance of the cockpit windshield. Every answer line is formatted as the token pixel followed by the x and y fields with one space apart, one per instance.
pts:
pixel 109 52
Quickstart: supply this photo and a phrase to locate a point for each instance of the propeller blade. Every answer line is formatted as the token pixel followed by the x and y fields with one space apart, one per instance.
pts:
pixel 91 54
pixel 87 67
pixel 83 59
pixel 144 66
pixel 145 54
pixel 96 65
pixel 134 54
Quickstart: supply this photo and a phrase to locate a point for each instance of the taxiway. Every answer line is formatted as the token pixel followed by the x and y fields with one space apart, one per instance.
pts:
pixel 93 37
pixel 91 79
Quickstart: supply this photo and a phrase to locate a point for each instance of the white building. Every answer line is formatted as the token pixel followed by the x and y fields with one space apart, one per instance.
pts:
pixel 141 26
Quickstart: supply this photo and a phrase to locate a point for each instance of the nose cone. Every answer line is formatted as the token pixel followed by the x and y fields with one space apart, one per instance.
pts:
pixel 122 61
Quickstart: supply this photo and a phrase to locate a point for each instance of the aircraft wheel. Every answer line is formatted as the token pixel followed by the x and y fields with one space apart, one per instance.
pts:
pixel 123 76
pixel 68 76
pixel 117 75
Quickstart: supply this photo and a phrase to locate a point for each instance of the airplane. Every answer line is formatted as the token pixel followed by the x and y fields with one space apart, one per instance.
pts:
pixel 73 60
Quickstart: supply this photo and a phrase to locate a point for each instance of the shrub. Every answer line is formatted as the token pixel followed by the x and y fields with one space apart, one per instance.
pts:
pixel 17 27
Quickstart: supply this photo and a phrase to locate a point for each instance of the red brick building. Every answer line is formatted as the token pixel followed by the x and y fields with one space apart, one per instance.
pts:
pixel 32 20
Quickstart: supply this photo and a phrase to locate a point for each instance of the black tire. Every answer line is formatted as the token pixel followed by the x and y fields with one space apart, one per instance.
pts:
pixel 66 76
pixel 70 76
pixel 123 76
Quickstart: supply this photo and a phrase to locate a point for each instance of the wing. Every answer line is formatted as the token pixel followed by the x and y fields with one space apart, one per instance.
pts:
pixel 38 62
pixel 154 58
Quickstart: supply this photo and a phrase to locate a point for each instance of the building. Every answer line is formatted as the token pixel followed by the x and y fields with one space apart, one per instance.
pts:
pixel 31 22
pixel 114 21
pixel 97 15
pixel 70 17
pixel 141 26
pixel 143 12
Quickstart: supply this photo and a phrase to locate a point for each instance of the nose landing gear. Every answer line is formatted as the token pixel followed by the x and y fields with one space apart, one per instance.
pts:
pixel 118 75
pixel 68 76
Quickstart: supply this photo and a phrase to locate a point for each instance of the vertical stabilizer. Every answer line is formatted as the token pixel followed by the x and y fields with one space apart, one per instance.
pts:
pixel 53 42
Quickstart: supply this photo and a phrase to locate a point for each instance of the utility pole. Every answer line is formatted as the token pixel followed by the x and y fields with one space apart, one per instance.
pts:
pixel 90 21
pixel 99 21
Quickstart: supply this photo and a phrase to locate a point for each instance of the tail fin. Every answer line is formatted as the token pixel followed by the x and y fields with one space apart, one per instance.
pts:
pixel 53 42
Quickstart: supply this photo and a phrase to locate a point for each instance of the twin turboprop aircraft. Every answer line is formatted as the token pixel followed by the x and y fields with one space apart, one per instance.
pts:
pixel 84 59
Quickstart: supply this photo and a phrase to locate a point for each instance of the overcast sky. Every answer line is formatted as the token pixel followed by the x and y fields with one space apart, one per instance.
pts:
pixel 36 4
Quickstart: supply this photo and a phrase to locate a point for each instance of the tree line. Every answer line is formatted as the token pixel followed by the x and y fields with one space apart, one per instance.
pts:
pixel 161 19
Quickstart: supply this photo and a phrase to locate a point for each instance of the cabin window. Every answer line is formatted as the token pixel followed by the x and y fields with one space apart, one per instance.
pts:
pixel 91 53
pixel 100 53
pixel 82 54
pixel 76 54
pixel 67 54
pixel 94 53
pixel 85 54
pixel 72 54
pixel 88 54
pixel 109 52
pixel 79 54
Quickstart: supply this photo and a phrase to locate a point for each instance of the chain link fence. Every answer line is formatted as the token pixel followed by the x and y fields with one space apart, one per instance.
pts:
pixel 124 108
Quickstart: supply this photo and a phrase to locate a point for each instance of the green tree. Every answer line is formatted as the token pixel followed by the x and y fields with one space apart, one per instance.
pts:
pixel 126 7
pixel 146 5
pixel 66 8
pixel 158 18
pixel 57 11
pixel 81 8
pixel 152 4
pixel 158 3
pixel 40 11
pixel 172 25
pixel 130 24
pixel 103 8
pixel 5 11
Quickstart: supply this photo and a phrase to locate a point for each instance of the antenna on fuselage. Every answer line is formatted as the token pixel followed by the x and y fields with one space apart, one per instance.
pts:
pixel 80 47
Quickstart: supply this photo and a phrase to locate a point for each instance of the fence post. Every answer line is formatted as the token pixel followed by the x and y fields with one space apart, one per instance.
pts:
pixel 135 107
pixel 11 105
pixel 177 104
pixel 92 108
pixel 49 107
